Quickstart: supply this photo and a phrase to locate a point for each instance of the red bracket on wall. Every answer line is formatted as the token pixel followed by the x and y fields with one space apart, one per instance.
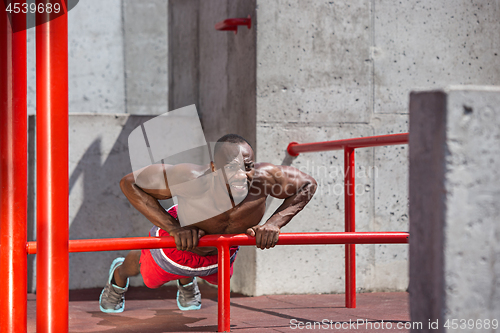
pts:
pixel 232 24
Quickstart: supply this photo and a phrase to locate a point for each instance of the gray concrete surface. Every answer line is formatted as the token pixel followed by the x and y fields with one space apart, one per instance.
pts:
pixel 313 61
pixel 454 206
pixel 427 164
pixel 98 209
pixel 431 44
pixel 118 59
pixel 213 69
pixel 146 56
pixel 183 55
pixel 96 57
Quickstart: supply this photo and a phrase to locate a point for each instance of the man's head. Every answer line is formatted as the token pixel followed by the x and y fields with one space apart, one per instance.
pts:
pixel 234 155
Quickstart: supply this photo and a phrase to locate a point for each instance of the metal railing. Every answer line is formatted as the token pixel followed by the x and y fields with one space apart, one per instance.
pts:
pixel 223 243
pixel 349 146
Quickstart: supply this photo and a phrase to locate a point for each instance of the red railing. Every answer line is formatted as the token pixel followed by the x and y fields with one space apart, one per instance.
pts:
pixel 223 243
pixel 349 146
pixel 13 173
pixel 52 207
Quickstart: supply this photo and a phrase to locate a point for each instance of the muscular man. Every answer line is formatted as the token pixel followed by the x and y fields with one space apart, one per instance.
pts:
pixel 232 177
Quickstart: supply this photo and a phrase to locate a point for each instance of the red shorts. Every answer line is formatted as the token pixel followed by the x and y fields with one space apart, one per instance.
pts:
pixel 159 266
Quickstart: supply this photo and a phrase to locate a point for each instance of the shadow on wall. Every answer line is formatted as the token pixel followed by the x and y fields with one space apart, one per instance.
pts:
pixel 98 209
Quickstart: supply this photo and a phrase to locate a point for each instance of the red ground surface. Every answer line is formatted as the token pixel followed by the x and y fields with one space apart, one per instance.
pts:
pixel 155 311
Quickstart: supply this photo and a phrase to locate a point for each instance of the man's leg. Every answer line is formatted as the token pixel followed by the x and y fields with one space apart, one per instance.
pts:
pixel 130 267
pixel 185 281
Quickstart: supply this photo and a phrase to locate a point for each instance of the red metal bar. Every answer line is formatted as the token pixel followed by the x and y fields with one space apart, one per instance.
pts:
pixel 350 226
pixel 233 23
pixel 224 288
pixel 294 148
pixel 223 242
pixel 309 238
pixel 13 174
pixel 52 173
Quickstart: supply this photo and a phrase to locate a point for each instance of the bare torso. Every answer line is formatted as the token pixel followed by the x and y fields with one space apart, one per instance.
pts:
pixel 238 219
pixel 204 203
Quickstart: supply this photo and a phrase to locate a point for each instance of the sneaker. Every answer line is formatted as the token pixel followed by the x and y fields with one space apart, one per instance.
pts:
pixel 188 296
pixel 112 299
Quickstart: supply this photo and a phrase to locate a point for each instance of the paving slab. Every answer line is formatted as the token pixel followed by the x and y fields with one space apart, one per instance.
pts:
pixel 155 311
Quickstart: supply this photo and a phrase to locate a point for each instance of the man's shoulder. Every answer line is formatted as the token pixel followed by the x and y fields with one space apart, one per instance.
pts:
pixel 151 176
pixel 277 173
pixel 265 166
pixel 266 171
pixel 185 172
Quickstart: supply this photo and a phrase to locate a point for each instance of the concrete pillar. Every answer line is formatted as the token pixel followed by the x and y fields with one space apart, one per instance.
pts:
pixel 454 207
pixel 183 53
pixel 213 69
pixel 145 56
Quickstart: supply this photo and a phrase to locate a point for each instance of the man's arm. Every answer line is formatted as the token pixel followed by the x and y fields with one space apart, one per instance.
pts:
pixel 144 194
pixel 283 182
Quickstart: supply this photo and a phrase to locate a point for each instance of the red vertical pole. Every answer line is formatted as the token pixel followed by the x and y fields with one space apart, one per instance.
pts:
pixel 13 174
pixel 52 174
pixel 350 226
pixel 224 289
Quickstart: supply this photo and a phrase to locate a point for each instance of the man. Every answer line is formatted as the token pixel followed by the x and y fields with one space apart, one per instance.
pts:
pixel 231 195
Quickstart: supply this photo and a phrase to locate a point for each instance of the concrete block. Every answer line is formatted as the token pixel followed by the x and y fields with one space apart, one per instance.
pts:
pixel 96 57
pixel 313 61
pixel 227 71
pixel 429 44
pixel 427 204
pixel 146 56
pixel 454 182
pixel 183 55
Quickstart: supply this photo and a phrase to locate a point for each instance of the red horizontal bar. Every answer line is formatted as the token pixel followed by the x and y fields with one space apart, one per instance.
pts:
pixel 135 243
pixel 232 24
pixel 294 148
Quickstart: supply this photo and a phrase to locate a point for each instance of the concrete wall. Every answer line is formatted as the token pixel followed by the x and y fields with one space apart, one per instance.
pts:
pixel 333 70
pixel 454 197
pixel 98 209
pixel 213 69
pixel 117 58
pixel 96 57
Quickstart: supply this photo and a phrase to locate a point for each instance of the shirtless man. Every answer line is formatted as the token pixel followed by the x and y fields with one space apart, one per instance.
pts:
pixel 245 183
